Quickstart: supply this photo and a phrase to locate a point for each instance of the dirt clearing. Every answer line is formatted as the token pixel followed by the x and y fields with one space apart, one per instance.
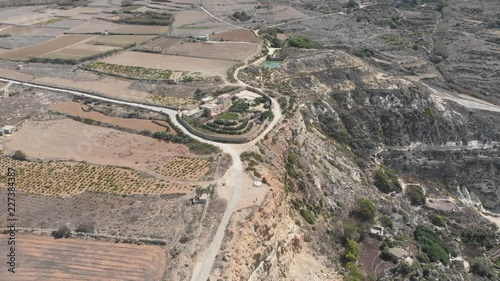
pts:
pixel 208 67
pixel 45 258
pixel 120 40
pixel 139 29
pixel 215 50
pixel 190 17
pixel 43 48
pixel 71 140
pixel 108 86
pixel 239 35
pixel 76 109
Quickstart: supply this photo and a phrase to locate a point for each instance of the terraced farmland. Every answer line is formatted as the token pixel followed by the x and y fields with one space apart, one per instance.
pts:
pixel 173 101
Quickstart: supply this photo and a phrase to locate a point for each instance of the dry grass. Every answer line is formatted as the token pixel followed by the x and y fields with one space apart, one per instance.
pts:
pixel 185 168
pixel 70 178
pixel 45 258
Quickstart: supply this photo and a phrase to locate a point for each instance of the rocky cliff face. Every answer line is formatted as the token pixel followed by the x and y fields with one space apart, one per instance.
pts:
pixel 344 119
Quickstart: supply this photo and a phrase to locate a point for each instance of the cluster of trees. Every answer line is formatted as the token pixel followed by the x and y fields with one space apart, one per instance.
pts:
pixel 239 106
pixel 19 155
pixel 432 244
pixel 267 115
pixel 241 16
pixel 194 145
pixel 148 18
pixel 302 42
pixel 65 232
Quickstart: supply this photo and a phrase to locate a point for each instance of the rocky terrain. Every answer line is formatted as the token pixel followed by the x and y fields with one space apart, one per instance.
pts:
pixel 348 123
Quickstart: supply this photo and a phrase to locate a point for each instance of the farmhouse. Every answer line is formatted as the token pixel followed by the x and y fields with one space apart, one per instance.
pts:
pixel 7 130
pixel 217 106
pixel 247 96
pixel 398 253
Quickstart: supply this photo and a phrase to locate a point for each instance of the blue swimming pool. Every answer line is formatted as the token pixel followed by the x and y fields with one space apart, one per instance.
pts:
pixel 272 63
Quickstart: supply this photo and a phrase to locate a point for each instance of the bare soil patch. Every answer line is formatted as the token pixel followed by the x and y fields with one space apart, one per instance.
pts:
pixel 236 35
pixel 76 109
pixel 208 67
pixel 140 29
pixel 108 86
pixel 94 27
pixel 43 48
pixel 120 40
pixel 19 30
pixel 190 17
pixel 215 50
pixel 80 51
pixel 45 258
pixel 68 139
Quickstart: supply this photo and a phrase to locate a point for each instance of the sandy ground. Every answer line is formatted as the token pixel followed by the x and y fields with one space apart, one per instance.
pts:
pixel 208 67
pixel 68 139
pixel 215 50
pixel 45 258
pixel 109 86
pixel 75 109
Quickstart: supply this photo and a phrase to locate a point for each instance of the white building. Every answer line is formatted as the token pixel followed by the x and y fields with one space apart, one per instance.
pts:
pixel 7 130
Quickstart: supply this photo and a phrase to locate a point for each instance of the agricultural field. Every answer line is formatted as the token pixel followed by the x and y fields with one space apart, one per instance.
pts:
pixel 186 18
pixel 71 178
pixel 43 48
pixel 185 168
pixel 139 29
pixel 83 111
pixel 136 72
pixel 207 67
pixel 93 27
pixel 216 50
pixel 46 258
pixel 18 30
pixel 15 42
pixel 161 44
pixel 173 102
pixel 71 140
pixel 79 51
pixel 120 40
pixel 239 35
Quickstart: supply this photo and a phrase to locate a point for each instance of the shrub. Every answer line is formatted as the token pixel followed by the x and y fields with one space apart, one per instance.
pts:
pixel 483 267
pixel 353 251
pixel 302 42
pixel 437 220
pixel 386 180
pixel 267 115
pixel 355 274
pixel 183 240
pixel 432 244
pixel 416 195
pixel 479 236
pixel 63 231
pixel 387 222
pixel 364 209
pixel 86 228
pixel 241 16
pixel 19 155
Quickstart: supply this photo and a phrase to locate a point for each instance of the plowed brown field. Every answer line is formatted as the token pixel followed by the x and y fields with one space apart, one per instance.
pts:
pixel 45 258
